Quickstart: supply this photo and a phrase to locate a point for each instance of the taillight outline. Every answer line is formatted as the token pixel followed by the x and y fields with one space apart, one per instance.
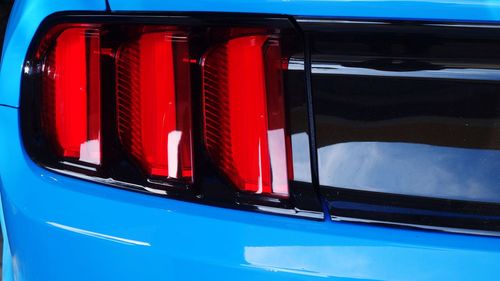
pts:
pixel 262 41
pixel 227 196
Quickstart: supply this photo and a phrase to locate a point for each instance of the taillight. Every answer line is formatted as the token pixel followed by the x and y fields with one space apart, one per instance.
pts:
pixel 71 102
pixel 191 108
pixel 153 98
pixel 244 113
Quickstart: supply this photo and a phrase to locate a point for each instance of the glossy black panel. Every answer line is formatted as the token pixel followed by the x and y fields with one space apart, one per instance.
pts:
pixel 410 109
pixel 304 195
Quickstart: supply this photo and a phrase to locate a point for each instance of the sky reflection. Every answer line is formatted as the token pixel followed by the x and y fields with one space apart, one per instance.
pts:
pixel 413 169
pixel 300 155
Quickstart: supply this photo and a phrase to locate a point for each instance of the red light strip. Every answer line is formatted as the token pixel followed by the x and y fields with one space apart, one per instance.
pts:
pixel 151 96
pixel 244 114
pixel 71 82
pixel 160 138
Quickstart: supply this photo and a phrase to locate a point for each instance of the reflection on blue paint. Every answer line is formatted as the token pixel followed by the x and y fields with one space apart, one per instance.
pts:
pixel 412 169
pixel 100 235
pixel 352 262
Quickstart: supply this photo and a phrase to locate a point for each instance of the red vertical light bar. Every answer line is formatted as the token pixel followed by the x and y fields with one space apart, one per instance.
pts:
pixel 71 96
pixel 154 104
pixel 157 88
pixel 247 112
pixel 244 122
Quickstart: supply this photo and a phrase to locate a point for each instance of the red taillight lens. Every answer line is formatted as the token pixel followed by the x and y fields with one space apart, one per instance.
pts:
pixel 190 107
pixel 244 119
pixel 154 103
pixel 71 95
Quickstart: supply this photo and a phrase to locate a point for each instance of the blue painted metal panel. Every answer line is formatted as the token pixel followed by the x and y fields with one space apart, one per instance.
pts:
pixel 6 255
pixel 62 228
pixel 468 10
pixel 25 17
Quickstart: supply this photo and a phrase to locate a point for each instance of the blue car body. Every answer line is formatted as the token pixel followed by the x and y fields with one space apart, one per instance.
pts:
pixel 60 228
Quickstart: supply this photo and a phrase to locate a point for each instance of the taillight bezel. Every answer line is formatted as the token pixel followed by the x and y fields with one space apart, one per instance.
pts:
pixel 214 188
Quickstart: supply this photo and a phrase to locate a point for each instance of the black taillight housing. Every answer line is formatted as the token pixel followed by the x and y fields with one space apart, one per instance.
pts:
pixel 192 107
